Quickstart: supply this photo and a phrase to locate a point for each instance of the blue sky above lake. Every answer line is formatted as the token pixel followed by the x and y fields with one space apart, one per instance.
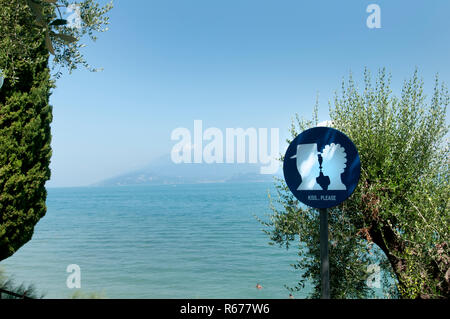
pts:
pixel 234 63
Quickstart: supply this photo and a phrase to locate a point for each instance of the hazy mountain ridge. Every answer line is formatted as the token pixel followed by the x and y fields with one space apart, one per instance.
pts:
pixel 163 171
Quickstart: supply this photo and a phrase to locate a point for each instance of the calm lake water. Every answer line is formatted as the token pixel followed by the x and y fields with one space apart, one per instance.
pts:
pixel 184 241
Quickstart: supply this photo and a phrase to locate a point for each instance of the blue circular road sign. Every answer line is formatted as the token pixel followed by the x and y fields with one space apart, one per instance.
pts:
pixel 321 167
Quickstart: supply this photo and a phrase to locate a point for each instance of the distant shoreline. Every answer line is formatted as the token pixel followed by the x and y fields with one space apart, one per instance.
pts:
pixel 163 184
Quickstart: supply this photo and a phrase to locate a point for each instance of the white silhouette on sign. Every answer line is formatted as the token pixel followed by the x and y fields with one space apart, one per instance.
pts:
pixel 307 166
pixel 321 171
pixel 334 164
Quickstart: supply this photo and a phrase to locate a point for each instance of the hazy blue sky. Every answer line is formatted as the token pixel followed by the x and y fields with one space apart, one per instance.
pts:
pixel 233 63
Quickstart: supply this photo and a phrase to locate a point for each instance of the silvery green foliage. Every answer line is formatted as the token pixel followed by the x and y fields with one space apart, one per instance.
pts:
pixel 402 202
pixel 48 18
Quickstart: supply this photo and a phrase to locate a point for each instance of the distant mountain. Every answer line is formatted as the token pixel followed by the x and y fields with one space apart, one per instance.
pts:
pixel 164 171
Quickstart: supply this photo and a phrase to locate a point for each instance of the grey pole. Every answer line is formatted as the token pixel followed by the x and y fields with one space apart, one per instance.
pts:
pixel 325 264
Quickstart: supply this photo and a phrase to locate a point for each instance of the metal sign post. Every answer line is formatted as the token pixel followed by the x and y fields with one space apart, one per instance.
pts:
pixel 324 259
pixel 321 168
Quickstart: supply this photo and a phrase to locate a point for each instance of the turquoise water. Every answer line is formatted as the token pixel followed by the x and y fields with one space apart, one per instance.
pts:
pixel 184 241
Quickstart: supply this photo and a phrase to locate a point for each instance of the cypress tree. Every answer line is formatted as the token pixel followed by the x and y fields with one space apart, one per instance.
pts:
pixel 25 117
pixel 31 30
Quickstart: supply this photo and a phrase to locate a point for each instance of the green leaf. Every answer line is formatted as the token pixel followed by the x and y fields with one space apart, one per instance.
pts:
pixel 66 38
pixel 50 1
pixel 36 9
pixel 48 43
pixel 41 23
pixel 59 22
